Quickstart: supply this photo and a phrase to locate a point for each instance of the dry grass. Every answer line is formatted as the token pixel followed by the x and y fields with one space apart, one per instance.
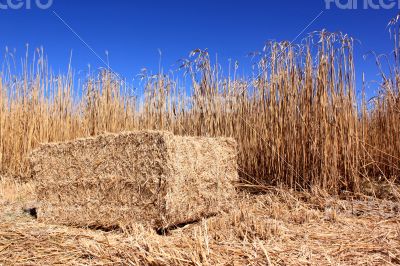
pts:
pixel 277 228
pixel 296 119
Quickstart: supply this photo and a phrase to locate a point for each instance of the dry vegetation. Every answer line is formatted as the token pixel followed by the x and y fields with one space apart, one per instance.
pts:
pixel 297 120
pixel 298 124
pixel 277 228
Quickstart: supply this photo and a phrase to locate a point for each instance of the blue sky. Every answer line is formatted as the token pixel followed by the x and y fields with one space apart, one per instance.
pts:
pixel 133 31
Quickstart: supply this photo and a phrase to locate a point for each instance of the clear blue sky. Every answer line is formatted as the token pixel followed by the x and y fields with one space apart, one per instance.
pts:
pixel 133 31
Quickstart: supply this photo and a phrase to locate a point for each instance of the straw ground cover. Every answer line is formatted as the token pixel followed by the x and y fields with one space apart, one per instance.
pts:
pixel 275 228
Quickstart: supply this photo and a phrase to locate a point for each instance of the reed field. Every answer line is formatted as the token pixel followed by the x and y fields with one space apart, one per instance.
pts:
pixel 297 119
pixel 319 161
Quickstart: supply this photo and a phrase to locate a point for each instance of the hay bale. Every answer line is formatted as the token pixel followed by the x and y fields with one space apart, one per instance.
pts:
pixel 151 178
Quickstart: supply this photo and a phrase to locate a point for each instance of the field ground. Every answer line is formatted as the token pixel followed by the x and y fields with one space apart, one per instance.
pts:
pixel 276 228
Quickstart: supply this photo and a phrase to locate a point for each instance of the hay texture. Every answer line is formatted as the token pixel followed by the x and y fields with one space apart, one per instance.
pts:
pixel 151 178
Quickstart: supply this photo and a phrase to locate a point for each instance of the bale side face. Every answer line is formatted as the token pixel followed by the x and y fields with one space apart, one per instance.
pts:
pixel 124 174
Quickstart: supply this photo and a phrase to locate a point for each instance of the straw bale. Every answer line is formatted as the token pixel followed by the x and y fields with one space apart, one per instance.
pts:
pixel 148 177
